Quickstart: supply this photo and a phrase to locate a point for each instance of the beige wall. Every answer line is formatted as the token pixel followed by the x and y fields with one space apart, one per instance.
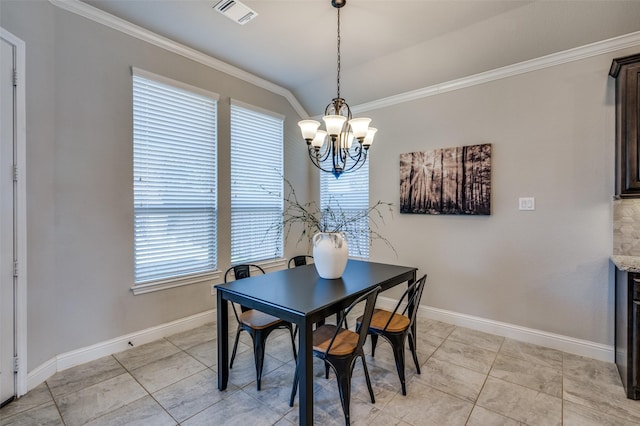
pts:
pixel 552 134
pixel 79 171
pixel 553 138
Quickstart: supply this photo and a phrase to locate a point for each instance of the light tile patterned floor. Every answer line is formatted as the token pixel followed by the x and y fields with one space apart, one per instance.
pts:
pixel 468 378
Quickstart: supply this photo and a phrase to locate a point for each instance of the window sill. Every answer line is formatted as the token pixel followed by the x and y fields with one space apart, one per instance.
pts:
pixel 164 284
pixel 273 264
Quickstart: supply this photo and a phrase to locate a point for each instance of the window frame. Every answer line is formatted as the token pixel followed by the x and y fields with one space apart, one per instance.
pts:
pixel 325 180
pixel 276 183
pixel 161 283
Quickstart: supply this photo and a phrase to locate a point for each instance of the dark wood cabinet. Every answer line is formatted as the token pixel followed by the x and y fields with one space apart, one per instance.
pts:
pixel 626 71
pixel 627 338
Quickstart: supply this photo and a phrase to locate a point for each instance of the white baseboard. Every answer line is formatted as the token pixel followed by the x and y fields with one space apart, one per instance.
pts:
pixel 90 353
pixel 41 373
pixel 529 335
pixel 538 337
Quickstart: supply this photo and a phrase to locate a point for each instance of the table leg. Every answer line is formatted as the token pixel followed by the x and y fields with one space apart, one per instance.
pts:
pixel 305 358
pixel 223 341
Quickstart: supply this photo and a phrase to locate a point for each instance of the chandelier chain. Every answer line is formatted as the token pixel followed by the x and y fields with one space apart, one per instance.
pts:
pixel 338 55
pixel 336 155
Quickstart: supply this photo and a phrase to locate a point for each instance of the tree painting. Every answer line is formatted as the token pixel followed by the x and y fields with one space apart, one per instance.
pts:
pixel 446 181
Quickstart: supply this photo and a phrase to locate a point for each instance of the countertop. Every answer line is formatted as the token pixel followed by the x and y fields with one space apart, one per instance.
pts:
pixel 626 263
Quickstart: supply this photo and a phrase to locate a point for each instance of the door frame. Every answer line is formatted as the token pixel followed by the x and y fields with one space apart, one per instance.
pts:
pixel 20 209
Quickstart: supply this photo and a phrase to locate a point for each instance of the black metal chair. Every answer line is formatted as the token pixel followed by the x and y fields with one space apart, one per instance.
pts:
pixel 299 260
pixel 258 324
pixel 395 328
pixel 339 348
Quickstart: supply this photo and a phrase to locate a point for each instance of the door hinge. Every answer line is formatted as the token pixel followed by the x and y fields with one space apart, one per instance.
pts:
pixel 15 77
pixel 15 172
pixel 16 364
pixel 15 269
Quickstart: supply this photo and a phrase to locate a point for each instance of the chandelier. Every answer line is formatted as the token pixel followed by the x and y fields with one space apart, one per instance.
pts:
pixel 335 154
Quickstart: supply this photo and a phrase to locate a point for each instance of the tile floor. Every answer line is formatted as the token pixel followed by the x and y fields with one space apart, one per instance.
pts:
pixel 468 378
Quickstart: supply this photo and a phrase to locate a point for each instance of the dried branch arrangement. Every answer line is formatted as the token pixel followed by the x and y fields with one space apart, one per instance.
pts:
pixel 331 218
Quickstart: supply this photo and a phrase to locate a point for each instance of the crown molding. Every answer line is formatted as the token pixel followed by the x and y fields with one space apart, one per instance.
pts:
pixel 575 54
pixel 559 58
pixel 87 11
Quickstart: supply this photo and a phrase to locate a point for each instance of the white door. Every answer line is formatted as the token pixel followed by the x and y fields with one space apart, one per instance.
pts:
pixel 7 255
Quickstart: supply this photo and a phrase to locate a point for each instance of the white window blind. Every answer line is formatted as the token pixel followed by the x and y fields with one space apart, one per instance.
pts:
pixel 256 183
pixel 174 178
pixel 350 193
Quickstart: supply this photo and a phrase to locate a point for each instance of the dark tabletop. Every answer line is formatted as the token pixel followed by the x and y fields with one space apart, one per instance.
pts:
pixel 301 292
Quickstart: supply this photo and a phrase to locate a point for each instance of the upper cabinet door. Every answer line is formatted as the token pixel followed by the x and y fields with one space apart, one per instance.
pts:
pixel 626 71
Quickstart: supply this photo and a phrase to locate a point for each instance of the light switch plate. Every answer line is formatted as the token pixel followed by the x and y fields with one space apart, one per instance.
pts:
pixel 527 203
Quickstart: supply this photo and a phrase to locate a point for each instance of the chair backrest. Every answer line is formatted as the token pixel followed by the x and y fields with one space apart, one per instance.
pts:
pixel 413 293
pixel 239 272
pixel 370 304
pixel 300 260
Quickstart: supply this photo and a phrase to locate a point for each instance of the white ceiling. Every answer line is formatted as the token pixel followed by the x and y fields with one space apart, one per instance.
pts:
pixel 388 46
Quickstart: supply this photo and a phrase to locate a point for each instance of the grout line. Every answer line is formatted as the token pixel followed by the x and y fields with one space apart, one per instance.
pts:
pixel 54 403
pixel 486 377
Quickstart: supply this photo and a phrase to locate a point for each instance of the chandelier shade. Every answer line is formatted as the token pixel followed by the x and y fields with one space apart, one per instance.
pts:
pixel 337 153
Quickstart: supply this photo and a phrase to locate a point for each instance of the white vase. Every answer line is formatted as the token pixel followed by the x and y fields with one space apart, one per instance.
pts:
pixel 330 254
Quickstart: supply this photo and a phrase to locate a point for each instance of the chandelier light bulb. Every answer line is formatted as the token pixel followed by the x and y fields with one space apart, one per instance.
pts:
pixel 368 139
pixel 359 127
pixel 308 129
pixel 334 124
pixel 346 140
pixel 318 141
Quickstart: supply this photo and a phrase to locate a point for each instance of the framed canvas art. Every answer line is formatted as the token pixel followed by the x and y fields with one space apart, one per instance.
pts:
pixel 446 181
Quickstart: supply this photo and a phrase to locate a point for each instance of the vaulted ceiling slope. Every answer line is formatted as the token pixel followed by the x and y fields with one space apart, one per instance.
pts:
pixel 388 47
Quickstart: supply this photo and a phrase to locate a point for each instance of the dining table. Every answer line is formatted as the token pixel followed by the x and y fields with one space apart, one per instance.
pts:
pixel 299 295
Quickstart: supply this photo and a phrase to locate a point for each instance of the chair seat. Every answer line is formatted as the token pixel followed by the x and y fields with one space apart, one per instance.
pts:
pixel 258 320
pixel 398 324
pixel 346 341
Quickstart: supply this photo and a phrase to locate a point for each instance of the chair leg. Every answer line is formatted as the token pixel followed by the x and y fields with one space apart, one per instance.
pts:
pixel 374 342
pixel 326 370
pixel 259 342
pixel 397 342
pixel 412 347
pixel 293 342
pixel 366 376
pixel 235 347
pixel 343 375
pixel 295 387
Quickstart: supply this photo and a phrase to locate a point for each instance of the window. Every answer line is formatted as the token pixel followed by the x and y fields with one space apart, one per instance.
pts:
pixel 256 183
pixel 350 193
pixel 174 179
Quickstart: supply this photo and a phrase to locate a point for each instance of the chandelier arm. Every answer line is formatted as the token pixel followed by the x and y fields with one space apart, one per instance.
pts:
pixel 318 164
pixel 325 154
pixel 357 154
pixel 314 158
pixel 320 155
pixel 358 162
pixel 324 150
pixel 338 160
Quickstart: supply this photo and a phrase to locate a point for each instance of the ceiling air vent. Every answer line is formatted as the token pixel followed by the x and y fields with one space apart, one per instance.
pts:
pixel 235 10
